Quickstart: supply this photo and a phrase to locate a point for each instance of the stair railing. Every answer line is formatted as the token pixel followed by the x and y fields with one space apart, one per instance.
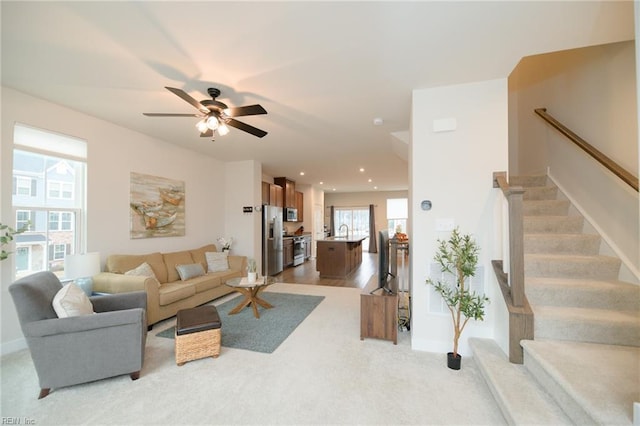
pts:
pixel 607 162
pixel 511 277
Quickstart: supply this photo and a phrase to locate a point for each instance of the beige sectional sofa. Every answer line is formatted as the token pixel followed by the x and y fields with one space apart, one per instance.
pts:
pixel 167 294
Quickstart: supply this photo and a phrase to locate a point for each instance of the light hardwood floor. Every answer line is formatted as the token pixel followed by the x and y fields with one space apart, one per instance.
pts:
pixel 307 274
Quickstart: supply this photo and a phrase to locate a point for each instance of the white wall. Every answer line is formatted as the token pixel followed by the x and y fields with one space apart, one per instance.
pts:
pixel 243 183
pixel 454 170
pixel 114 152
pixel 593 92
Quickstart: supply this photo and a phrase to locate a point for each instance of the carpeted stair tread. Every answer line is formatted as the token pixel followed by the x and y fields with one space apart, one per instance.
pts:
pixel 518 395
pixel 586 293
pixel 540 193
pixel 553 224
pixel 584 244
pixel 595 384
pixel 571 266
pixel 545 207
pixel 587 324
pixel 528 180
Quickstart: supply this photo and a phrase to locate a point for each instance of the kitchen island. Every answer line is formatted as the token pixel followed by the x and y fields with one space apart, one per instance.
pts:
pixel 338 256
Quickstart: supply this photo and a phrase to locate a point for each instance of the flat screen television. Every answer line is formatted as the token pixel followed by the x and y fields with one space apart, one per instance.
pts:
pixel 384 275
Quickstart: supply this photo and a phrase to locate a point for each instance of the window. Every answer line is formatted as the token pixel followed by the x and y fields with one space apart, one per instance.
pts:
pixel 60 221
pixel 63 190
pixel 397 212
pixel 56 164
pixel 356 218
pixel 23 185
pixel 24 218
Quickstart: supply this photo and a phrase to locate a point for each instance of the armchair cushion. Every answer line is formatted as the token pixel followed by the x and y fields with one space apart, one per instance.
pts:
pixel 71 301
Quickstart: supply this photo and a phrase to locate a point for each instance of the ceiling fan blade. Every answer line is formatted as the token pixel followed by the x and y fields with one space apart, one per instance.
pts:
pixel 245 127
pixel 181 93
pixel 207 134
pixel 168 114
pixel 246 110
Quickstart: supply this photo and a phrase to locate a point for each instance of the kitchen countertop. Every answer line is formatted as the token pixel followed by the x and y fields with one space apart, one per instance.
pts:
pixel 342 238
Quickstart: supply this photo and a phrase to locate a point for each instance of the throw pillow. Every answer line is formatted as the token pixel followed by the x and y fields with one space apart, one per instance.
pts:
pixel 71 301
pixel 217 261
pixel 190 271
pixel 144 270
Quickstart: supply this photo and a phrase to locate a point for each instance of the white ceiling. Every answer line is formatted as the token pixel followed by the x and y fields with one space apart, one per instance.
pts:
pixel 322 70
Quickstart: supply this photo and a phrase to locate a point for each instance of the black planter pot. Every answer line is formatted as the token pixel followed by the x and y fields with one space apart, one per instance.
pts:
pixel 453 362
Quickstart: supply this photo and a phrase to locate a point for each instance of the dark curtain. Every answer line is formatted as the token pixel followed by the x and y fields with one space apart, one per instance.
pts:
pixel 373 247
pixel 332 224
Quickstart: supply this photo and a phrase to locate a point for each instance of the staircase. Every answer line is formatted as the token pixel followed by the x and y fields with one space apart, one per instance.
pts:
pixel 584 365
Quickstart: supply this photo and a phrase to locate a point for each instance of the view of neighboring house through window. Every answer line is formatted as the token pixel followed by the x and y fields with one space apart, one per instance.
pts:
pixel 48 194
pixel 397 213
pixel 356 218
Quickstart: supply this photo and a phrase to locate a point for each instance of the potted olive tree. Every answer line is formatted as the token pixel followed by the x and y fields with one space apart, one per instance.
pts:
pixel 458 256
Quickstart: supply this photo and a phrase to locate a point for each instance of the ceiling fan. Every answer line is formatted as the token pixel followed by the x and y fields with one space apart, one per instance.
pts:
pixel 215 116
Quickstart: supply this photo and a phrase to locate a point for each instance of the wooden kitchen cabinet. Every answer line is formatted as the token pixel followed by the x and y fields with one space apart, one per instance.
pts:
pixel 275 195
pixel 271 194
pixel 289 191
pixel 287 251
pixel 300 205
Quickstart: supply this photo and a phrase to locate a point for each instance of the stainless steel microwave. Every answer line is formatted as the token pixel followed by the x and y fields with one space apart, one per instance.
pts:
pixel 290 215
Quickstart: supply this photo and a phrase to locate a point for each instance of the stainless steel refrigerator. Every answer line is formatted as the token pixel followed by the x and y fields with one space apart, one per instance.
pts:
pixel 271 240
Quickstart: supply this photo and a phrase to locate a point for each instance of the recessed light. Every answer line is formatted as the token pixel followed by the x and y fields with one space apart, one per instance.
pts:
pixel 333 189
pixel 378 121
pixel 370 180
pixel 361 170
pixel 321 183
pixel 375 187
pixel 301 173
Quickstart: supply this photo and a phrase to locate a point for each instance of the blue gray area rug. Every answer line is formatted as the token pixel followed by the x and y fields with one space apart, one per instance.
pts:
pixel 264 334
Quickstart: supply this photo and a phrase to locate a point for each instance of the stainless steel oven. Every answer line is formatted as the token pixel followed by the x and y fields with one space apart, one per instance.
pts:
pixel 298 250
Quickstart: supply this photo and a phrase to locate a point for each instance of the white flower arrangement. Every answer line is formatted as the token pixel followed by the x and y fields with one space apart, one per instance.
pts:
pixel 225 243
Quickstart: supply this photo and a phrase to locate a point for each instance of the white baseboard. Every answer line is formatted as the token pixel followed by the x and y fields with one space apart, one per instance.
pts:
pixel 13 346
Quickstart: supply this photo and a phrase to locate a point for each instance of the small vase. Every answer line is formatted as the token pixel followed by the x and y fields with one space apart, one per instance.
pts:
pixel 453 362
pixel 251 276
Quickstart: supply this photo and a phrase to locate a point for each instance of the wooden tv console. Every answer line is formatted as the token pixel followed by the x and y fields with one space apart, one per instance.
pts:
pixel 379 312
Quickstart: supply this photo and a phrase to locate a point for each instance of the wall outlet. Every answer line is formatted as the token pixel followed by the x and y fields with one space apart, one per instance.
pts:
pixel 444 225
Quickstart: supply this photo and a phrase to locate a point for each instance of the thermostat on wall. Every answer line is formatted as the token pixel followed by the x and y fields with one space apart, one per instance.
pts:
pixel 425 205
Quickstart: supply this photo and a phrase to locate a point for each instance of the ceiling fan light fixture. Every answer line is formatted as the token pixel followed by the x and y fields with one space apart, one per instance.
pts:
pixel 212 122
pixel 223 129
pixel 202 126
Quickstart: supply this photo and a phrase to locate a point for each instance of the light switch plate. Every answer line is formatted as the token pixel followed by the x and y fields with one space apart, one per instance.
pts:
pixel 443 225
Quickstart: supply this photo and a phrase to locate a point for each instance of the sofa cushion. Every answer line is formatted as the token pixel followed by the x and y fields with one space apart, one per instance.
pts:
pixel 189 271
pixel 198 254
pixel 205 282
pixel 143 270
pixel 217 261
pixel 171 260
pixel 121 263
pixel 172 292
pixel 71 301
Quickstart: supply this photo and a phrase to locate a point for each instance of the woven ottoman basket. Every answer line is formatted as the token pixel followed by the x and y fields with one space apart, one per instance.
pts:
pixel 198 334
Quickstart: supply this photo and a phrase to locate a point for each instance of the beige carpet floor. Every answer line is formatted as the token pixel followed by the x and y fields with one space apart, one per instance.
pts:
pixel 322 374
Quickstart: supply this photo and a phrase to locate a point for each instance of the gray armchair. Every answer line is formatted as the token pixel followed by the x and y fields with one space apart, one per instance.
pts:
pixel 69 351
